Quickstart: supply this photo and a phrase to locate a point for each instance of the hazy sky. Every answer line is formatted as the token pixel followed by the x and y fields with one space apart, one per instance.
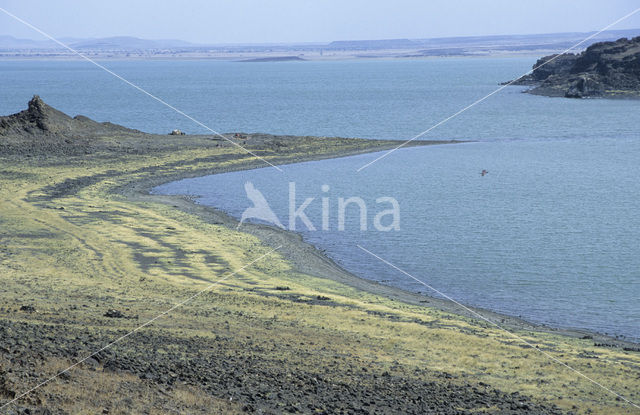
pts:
pixel 264 21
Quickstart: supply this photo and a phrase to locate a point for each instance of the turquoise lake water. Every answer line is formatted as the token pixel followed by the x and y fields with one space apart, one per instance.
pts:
pixel 551 233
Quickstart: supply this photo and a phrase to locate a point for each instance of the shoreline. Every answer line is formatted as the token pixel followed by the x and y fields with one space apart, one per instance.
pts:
pixel 243 58
pixel 309 259
pixel 87 255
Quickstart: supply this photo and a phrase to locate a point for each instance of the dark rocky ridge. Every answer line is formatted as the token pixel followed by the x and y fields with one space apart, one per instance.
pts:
pixel 39 119
pixel 605 69
pixel 46 133
pixel 43 131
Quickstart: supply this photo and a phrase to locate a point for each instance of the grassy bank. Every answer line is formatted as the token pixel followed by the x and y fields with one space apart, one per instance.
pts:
pixel 268 337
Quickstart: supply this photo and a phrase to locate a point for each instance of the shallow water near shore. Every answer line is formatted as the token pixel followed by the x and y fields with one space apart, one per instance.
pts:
pixel 550 234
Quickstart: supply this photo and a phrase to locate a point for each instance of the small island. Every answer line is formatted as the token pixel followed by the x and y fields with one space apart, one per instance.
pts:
pixel 603 70
pixel 274 59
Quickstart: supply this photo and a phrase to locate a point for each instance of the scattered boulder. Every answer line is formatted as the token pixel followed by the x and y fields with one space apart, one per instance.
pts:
pixel 31 411
pixel 113 313
pixel 28 309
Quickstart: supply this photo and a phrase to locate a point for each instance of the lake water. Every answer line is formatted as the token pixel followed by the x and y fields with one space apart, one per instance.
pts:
pixel 550 234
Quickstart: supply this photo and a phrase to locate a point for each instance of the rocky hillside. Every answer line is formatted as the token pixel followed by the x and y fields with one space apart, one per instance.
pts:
pixel 606 69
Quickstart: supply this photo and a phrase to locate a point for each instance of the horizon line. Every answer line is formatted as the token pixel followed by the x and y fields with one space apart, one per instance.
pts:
pixel 313 43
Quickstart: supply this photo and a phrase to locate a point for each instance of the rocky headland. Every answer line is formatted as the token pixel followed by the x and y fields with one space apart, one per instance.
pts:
pixel 603 70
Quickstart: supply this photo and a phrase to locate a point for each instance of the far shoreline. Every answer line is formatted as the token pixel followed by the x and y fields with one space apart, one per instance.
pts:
pixel 309 259
pixel 252 59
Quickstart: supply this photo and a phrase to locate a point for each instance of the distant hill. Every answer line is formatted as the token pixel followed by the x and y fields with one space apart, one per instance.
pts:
pixel 542 38
pixel 477 45
pixel 128 46
pixel 129 42
pixel 108 43
pixel 10 42
pixel 373 44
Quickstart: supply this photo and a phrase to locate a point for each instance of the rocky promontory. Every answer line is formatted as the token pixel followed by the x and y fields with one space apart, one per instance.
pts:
pixel 605 69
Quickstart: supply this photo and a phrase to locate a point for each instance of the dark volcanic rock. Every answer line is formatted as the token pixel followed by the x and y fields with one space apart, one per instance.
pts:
pixel 28 309
pixel 39 119
pixel 606 69
pixel 114 314
pixel 226 367
pixel 548 66
pixel 41 130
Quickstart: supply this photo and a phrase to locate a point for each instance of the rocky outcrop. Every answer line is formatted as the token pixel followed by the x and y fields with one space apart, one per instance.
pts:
pixel 41 130
pixel 606 69
pixel 39 119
